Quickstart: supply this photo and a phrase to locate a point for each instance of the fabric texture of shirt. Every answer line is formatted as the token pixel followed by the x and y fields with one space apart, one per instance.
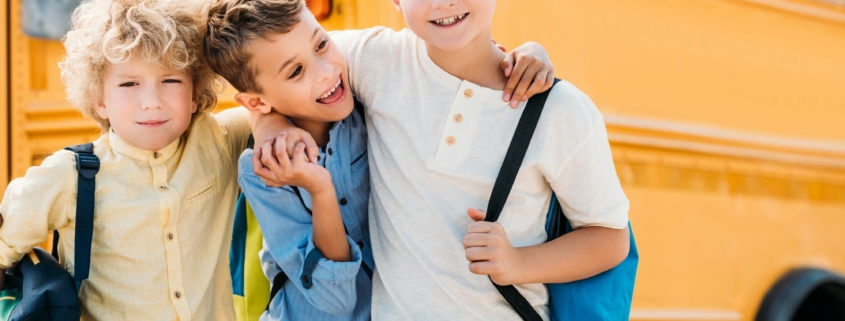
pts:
pixel 332 290
pixel 162 222
pixel 436 146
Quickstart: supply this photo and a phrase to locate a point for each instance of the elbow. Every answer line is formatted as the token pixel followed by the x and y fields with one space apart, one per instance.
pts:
pixel 622 244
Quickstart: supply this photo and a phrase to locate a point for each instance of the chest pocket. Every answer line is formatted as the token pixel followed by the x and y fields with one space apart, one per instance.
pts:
pixel 202 192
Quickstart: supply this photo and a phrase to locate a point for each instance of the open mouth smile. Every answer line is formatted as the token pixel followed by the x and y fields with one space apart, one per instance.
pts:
pixel 450 20
pixel 334 94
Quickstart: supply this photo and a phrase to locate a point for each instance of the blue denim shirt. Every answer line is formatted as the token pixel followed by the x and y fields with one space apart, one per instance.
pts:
pixel 326 290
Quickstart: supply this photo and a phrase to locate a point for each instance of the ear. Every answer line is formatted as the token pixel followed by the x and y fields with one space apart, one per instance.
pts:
pixel 397 5
pixel 253 102
pixel 100 109
pixel 194 102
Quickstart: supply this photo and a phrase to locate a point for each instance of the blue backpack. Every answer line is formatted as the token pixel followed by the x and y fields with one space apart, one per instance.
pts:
pixel 606 296
pixel 42 289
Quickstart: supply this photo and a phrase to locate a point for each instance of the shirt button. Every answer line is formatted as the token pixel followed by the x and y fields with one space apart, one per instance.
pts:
pixel 330 151
pixel 156 154
pixel 450 140
pixel 169 236
pixel 459 118
pixel 162 187
pixel 343 201
pixel 177 294
pixel 468 93
pixel 360 245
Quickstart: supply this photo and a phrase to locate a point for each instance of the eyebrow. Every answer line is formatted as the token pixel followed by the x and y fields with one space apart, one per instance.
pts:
pixel 316 31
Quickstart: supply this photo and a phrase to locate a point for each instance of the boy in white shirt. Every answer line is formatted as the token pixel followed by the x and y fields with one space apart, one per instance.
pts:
pixel 438 133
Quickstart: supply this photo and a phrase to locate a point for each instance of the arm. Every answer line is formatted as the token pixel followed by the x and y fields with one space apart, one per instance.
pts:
pixel 36 204
pixel 587 251
pixel 592 198
pixel 293 240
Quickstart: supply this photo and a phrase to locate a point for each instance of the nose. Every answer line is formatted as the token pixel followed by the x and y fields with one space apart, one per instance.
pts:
pixel 325 72
pixel 151 98
pixel 441 4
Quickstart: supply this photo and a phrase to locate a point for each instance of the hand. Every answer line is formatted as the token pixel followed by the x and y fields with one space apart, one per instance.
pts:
pixel 272 162
pixel 489 251
pixel 294 135
pixel 529 71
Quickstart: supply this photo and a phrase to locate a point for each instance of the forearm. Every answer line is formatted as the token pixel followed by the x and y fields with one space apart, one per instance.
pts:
pixel 329 234
pixel 574 256
pixel 267 125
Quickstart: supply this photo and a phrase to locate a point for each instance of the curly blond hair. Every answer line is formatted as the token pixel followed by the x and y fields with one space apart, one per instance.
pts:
pixel 168 33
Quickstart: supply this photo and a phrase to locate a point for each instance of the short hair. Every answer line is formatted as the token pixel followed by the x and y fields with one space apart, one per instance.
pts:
pixel 233 24
pixel 164 32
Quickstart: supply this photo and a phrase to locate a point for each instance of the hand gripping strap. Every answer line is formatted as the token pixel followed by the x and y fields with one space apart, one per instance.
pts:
pixel 502 188
pixel 87 165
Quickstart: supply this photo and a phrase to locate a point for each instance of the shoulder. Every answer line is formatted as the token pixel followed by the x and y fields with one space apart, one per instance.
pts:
pixel 570 111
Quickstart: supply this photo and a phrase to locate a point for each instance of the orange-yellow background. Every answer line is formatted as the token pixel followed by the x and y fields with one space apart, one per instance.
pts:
pixel 726 120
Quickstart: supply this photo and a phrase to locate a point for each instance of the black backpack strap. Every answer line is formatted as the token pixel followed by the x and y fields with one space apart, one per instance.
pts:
pixel 504 182
pixel 87 165
pixel 278 283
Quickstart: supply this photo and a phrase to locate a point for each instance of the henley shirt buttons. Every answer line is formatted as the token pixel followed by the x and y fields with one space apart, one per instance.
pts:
pixel 162 187
pixel 360 245
pixel 343 201
pixel 450 140
pixel 156 155
pixel 468 93
pixel 459 118
pixel 330 151
pixel 169 236
pixel 177 294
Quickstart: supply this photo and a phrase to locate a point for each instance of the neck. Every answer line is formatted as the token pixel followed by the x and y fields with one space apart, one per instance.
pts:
pixel 318 130
pixel 479 62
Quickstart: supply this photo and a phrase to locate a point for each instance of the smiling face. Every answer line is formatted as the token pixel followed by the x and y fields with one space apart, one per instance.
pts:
pixel 301 74
pixel 147 106
pixel 448 24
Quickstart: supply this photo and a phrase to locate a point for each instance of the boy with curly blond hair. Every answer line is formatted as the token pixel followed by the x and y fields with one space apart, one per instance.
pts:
pixel 167 185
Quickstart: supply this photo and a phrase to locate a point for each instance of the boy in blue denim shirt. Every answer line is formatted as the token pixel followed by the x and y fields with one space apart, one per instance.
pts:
pixel 277 56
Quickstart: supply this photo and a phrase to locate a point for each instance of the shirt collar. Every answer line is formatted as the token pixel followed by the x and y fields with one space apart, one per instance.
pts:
pixel 155 156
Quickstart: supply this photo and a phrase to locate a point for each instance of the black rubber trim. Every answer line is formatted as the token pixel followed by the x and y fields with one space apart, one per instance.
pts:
pixel 786 296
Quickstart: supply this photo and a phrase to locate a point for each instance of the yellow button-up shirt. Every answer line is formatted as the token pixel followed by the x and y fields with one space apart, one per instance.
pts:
pixel 162 222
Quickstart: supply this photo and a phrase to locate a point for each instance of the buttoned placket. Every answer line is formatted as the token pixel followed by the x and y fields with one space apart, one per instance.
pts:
pixel 333 161
pixel 173 255
pixel 453 141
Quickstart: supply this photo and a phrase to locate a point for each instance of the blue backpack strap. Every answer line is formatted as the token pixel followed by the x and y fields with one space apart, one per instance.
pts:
pixel 504 182
pixel 87 166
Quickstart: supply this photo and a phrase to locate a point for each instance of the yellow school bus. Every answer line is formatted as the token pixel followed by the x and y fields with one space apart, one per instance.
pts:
pixel 726 119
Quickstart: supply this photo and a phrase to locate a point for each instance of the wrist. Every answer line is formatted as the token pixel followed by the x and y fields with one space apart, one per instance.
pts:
pixel 519 268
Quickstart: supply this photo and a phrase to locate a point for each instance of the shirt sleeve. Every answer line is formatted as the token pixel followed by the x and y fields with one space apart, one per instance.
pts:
pixel 234 123
pixel 327 285
pixel 41 201
pixel 587 186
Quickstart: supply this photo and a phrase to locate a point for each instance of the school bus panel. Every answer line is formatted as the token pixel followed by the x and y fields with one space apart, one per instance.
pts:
pixel 724 116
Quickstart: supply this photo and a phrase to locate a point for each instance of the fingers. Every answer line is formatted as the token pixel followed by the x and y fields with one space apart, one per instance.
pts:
pixel 311 148
pixel 299 158
pixel 476 214
pixel 282 155
pixel 538 85
pixel 525 81
pixel 514 78
pixel 507 67
pixel 267 176
pixel 502 48
pixel 483 268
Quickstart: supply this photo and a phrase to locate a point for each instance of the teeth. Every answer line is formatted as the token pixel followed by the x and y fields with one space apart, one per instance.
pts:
pixel 450 20
pixel 331 91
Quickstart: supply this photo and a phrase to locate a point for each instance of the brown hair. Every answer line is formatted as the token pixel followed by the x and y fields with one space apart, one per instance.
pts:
pixel 165 32
pixel 232 24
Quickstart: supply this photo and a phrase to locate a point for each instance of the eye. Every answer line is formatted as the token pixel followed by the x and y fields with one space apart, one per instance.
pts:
pixel 323 44
pixel 296 72
pixel 128 84
pixel 172 81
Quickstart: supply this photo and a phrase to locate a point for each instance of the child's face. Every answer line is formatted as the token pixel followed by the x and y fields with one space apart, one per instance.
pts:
pixel 448 24
pixel 147 106
pixel 301 73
